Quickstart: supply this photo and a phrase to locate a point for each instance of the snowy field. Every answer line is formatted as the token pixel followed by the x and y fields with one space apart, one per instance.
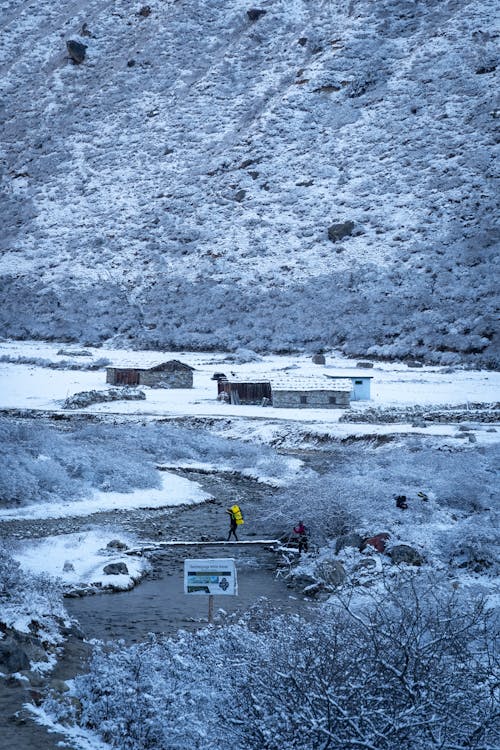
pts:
pixel 28 386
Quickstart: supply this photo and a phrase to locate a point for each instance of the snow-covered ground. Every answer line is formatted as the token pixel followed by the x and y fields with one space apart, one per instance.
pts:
pixel 79 559
pixel 175 491
pixel 28 386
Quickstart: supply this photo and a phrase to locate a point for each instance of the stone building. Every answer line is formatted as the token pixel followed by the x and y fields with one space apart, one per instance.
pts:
pixel 311 393
pixel 172 374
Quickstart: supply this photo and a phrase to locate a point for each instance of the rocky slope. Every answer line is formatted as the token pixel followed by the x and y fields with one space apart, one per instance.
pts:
pixel 320 174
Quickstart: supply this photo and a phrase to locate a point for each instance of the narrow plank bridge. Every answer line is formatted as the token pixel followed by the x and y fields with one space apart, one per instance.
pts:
pixel 275 543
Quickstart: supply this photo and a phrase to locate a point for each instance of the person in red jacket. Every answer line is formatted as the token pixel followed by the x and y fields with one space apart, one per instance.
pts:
pixel 301 532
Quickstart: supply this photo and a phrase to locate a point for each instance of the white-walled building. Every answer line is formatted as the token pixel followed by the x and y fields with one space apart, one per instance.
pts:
pixel 361 385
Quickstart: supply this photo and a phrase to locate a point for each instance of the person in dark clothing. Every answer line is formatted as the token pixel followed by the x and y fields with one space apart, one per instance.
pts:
pixel 301 532
pixel 232 524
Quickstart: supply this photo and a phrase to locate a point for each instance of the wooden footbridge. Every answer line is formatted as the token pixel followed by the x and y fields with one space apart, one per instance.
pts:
pixel 274 543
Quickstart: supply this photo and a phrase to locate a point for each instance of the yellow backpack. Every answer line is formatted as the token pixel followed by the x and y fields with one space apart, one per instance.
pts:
pixel 237 514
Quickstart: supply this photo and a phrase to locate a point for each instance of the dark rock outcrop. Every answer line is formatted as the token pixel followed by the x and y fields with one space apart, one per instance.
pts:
pixel 338 231
pixel 403 553
pixel 116 569
pixel 76 51
pixel 255 13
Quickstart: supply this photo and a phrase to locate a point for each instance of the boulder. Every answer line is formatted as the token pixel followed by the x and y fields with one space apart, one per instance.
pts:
pixel 116 544
pixel 145 11
pixel 255 13
pixel 116 569
pixel 378 542
pixel 403 553
pixel 348 540
pixel 13 657
pixel 338 231
pixel 319 359
pixel 68 567
pixel 76 51
pixel 365 365
pixel 332 572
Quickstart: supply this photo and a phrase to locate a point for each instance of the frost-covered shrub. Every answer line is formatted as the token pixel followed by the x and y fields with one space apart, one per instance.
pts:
pixel 40 462
pixel 27 599
pixel 87 398
pixel 356 490
pixel 412 665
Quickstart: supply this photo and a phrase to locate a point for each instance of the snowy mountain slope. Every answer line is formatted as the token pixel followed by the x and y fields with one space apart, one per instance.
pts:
pixel 178 186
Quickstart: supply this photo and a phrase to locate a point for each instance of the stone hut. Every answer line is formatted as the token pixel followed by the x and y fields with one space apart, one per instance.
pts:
pixel 172 374
pixel 311 393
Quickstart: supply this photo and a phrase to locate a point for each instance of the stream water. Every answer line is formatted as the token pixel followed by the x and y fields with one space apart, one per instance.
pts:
pixel 158 604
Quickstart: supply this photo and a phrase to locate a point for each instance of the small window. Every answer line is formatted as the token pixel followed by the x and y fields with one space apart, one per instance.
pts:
pixel 358 382
pixel 303 399
pixel 332 399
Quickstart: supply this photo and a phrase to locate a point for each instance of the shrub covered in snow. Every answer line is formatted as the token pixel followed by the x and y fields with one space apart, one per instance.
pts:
pixel 411 666
pixel 87 398
pixel 29 603
pixel 41 462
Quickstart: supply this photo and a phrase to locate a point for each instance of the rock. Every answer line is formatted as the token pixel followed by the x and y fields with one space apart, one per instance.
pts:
pixel 367 564
pixel 483 69
pixel 302 41
pixel 130 63
pixel 403 553
pixel 255 13
pixel 348 540
pixel 59 686
pixel 332 572
pixel 338 231
pixel 378 542
pixel 68 567
pixel 319 359
pixel 365 365
pixel 116 544
pixel 239 196
pixel 145 11
pixel 13 658
pixel 76 51
pixel 414 363
pixel 116 569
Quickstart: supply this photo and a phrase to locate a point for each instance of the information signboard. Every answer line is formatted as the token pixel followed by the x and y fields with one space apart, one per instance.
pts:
pixel 213 576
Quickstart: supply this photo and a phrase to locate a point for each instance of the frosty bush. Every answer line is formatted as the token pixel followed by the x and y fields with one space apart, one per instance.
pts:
pixel 29 598
pixel 42 462
pixel 410 668
pixel 357 486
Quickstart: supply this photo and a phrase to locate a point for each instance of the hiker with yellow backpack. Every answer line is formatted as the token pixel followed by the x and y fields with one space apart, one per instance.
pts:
pixel 235 520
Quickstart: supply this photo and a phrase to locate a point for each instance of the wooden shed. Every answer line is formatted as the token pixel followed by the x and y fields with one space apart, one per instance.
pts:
pixel 244 391
pixel 311 393
pixel 172 374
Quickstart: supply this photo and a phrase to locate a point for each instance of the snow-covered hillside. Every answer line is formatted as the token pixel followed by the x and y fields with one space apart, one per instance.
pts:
pixel 177 188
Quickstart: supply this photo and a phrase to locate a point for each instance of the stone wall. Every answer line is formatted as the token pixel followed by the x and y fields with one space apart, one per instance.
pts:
pixel 175 379
pixel 313 399
pixel 426 414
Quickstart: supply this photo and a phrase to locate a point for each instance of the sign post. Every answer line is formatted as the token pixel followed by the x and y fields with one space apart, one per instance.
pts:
pixel 210 577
